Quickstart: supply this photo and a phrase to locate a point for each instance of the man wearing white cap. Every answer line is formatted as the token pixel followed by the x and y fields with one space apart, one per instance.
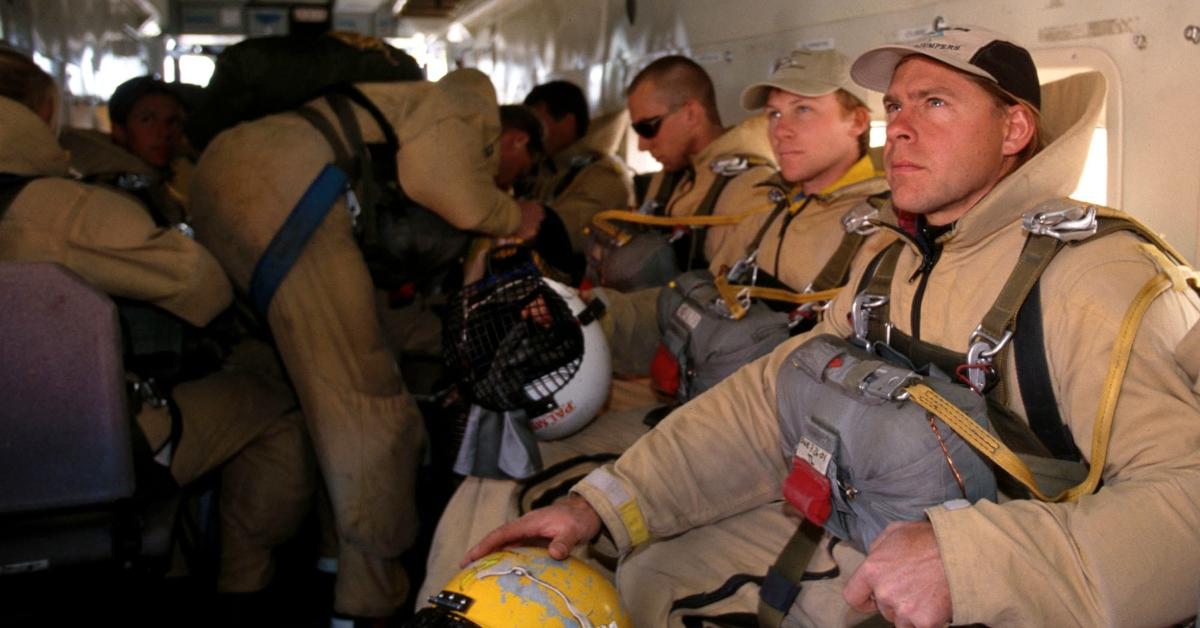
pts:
pixel 965 160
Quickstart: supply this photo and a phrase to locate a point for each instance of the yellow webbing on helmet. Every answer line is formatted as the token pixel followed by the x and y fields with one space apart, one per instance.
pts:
pixel 999 453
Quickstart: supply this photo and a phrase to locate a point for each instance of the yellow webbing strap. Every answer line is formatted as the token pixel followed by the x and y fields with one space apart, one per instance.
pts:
pixel 603 219
pixel 733 294
pixel 1000 454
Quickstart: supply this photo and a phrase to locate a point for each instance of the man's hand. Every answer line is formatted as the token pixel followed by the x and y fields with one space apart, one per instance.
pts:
pixel 532 214
pixel 903 577
pixel 566 523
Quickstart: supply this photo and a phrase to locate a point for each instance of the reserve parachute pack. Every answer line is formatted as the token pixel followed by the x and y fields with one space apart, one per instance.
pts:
pixel 266 75
pixel 712 325
pixel 649 248
pixel 838 472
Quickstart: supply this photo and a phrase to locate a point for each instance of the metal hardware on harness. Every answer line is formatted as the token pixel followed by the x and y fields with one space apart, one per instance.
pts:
pixel 860 312
pixel 862 220
pixel 729 166
pixel 147 391
pixel 888 383
pixel 776 195
pixel 809 309
pixel 745 265
pixel 649 207
pixel 983 348
pixel 353 206
pixel 1067 225
pixel 133 181
pixel 186 230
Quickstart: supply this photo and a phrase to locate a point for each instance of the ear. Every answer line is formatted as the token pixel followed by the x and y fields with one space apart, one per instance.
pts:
pixel 1018 130
pixel 860 121
pixel 119 135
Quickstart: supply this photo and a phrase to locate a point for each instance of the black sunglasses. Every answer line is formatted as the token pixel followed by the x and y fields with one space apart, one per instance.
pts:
pixel 648 127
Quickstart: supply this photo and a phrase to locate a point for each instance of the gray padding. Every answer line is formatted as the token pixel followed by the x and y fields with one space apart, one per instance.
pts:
pixel 708 345
pixel 64 431
pixel 885 450
pixel 647 260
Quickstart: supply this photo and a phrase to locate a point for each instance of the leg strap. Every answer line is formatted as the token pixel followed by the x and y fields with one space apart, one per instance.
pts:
pixel 289 241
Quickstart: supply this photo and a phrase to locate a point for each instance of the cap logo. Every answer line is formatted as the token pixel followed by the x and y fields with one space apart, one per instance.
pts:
pixel 937 45
pixel 788 62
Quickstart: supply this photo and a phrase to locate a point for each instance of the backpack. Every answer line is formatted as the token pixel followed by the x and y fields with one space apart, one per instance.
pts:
pixel 267 75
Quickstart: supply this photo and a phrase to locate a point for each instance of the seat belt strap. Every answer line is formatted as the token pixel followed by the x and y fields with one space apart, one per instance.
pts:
pixel 293 235
pixel 782 584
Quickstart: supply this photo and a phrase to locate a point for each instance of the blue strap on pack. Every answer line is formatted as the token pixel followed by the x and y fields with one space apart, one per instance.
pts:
pixel 295 232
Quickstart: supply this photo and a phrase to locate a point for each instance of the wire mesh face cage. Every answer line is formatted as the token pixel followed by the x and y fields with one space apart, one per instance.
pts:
pixel 513 340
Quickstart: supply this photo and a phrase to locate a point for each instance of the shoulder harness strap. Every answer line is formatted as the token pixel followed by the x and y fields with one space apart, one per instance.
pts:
pixel 577 165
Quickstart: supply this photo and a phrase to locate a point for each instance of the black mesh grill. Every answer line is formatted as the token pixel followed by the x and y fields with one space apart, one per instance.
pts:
pixel 513 340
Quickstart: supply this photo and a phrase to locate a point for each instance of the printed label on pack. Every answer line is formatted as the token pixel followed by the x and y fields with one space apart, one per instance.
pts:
pixel 688 315
pixel 813 454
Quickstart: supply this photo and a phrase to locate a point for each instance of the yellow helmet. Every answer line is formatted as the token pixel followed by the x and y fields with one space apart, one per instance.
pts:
pixel 524 587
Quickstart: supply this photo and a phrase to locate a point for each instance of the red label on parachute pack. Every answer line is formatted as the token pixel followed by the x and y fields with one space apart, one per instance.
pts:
pixel 664 371
pixel 808 491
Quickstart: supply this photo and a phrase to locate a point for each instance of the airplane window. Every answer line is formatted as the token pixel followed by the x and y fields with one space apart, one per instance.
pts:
pixel 195 69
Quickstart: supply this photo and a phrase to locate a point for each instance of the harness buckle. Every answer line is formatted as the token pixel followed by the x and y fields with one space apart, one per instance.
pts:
pixel 983 349
pixel 353 206
pixel 888 383
pixel 729 166
pixel 862 219
pixel 1066 225
pixel 742 267
pixel 860 313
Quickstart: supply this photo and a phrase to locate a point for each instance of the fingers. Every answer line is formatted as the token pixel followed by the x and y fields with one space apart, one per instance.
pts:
pixel 501 537
pixel 859 593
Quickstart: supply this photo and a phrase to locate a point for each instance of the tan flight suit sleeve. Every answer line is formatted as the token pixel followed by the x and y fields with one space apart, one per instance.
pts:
pixel 630 323
pixel 1130 553
pixel 114 244
pixel 716 456
pixel 599 186
pixel 443 169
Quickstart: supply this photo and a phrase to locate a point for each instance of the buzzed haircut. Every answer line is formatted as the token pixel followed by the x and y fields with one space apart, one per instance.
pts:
pixel 23 81
pixel 561 98
pixel 680 79
pixel 522 118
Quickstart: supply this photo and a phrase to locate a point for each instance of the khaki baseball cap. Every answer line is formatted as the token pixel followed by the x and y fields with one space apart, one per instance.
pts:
pixel 971 49
pixel 804 72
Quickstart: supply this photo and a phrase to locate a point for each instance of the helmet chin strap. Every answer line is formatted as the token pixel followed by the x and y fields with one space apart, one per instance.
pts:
pixel 500 570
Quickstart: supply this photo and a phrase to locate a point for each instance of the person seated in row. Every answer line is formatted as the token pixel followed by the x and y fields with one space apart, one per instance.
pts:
pixel 817 129
pixel 235 413
pixel 143 151
pixel 979 163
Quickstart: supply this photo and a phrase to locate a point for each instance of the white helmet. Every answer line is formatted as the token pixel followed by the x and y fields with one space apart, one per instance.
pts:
pixel 522 341
pixel 580 400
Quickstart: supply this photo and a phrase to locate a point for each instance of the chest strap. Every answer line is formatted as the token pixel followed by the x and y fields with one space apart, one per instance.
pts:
pixel 294 234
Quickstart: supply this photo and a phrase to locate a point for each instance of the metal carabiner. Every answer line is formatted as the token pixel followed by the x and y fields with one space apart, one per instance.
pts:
pixel 860 312
pixel 741 267
pixel 982 349
pixel 1067 225
pixel 353 207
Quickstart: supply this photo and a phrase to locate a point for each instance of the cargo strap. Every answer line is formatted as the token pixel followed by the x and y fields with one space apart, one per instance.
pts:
pixel 293 235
